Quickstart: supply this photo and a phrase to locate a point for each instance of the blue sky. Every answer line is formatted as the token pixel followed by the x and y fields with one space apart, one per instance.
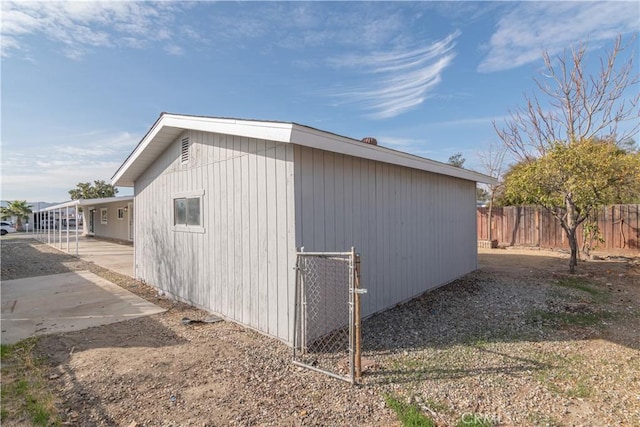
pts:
pixel 82 82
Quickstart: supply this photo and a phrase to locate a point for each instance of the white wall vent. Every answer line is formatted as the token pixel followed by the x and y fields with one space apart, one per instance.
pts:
pixel 184 150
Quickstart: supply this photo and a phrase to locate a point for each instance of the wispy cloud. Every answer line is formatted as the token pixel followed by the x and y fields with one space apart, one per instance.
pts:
pixel 396 81
pixel 471 121
pixel 533 27
pixel 80 27
pixel 408 145
pixel 427 149
pixel 49 172
pixel 300 25
pixel 173 49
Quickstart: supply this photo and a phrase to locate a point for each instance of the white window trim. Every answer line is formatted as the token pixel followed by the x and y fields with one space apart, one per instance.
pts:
pixel 104 215
pixel 189 228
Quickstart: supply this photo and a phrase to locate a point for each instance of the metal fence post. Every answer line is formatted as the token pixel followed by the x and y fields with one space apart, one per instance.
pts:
pixel 352 315
pixel 357 320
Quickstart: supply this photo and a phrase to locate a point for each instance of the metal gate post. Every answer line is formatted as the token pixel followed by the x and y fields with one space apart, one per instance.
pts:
pixel 352 313
pixel 357 324
pixel 303 309
pixel 297 329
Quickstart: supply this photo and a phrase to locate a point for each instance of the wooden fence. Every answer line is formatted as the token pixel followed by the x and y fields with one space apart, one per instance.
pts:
pixel 534 226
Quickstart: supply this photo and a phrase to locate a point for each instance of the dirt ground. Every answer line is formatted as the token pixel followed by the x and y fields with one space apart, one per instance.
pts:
pixel 490 345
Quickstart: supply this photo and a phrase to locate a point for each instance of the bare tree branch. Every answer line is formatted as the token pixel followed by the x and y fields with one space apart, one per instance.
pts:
pixel 574 106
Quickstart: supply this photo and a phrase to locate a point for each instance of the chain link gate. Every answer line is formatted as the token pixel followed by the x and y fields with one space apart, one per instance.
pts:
pixel 327 313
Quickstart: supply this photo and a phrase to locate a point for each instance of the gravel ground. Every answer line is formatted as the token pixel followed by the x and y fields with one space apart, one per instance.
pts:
pixel 515 343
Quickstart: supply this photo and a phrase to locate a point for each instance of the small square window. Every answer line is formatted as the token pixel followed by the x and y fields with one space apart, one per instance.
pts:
pixel 187 212
pixel 103 215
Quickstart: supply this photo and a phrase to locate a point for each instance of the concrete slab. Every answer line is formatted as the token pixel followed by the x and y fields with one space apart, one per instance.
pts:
pixel 112 256
pixel 65 302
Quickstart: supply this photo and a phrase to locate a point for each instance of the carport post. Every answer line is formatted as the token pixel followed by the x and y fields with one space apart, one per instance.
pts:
pixel 48 229
pixel 76 211
pixel 60 228
pixel 67 229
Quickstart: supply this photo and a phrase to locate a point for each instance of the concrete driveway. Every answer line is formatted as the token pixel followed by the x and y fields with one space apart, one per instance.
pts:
pixel 113 256
pixel 65 302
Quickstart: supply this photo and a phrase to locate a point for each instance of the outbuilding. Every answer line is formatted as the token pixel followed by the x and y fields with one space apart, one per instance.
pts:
pixel 108 218
pixel 223 205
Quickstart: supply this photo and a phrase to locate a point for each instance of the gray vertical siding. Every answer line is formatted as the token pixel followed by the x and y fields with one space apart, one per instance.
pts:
pixel 415 230
pixel 241 266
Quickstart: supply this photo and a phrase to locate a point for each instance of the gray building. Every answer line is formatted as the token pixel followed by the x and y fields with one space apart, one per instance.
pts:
pixel 223 204
pixel 108 218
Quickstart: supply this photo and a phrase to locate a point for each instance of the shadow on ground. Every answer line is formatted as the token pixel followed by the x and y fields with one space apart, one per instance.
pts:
pixel 22 258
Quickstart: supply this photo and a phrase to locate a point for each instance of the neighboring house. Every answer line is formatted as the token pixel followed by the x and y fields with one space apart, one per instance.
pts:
pixel 223 204
pixel 109 218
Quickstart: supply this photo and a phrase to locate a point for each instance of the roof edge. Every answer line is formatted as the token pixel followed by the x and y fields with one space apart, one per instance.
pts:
pixel 270 130
pixel 88 202
pixel 288 132
pixel 354 147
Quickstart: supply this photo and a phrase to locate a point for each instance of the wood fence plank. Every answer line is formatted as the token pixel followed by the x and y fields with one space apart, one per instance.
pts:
pixel 533 226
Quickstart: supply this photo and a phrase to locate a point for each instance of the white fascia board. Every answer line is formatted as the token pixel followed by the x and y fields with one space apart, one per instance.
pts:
pixel 71 203
pixel 338 144
pixel 273 131
pixel 140 148
pixel 105 200
pixel 137 162
pixel 87 202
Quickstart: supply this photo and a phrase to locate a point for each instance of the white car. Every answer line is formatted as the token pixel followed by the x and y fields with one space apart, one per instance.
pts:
pixel 6 227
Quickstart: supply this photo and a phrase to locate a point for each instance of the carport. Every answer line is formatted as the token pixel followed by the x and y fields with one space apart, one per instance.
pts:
pixel 59 226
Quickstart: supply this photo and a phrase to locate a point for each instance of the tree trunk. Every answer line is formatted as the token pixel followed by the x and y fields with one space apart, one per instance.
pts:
pixel 573 245
pixel 570 228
